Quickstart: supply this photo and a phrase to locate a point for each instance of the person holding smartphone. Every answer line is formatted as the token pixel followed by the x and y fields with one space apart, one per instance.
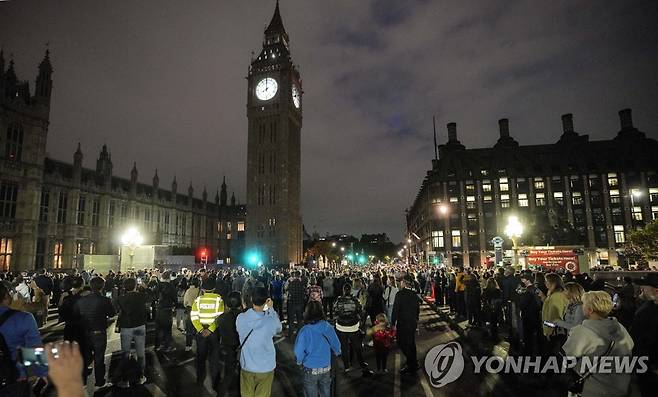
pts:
pixel 18 328
pixel 256 328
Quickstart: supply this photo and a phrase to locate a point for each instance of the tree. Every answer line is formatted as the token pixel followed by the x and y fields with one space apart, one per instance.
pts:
pixel 644 242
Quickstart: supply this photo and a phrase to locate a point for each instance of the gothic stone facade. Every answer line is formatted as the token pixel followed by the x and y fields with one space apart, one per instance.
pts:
pixel 274 112
pixel 573 192
pixel 52 212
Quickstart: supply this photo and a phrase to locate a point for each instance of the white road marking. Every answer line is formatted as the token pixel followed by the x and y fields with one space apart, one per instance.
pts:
pixel 396 380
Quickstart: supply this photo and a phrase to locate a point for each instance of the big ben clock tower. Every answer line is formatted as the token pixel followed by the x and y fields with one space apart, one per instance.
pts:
pixel 274 112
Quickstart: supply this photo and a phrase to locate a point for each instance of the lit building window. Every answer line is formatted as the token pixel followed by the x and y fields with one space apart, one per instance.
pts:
pixel 456 238
pixel 504 186
pixel 437 239
pixel 637 213
pixel 558 197
pixel 57 254
pixel 620 236
pixel 504 200
pixel 486 186
pixel 523 200
pixel 540 199
pixel 539 184
pixel 653 194
pixel 487 198
pixel 470 202
pixel 454 199
pixel 241 226
pixel 612 180
pixel 614 197
pixel 576 198
pixel 654 212
pixel 6 249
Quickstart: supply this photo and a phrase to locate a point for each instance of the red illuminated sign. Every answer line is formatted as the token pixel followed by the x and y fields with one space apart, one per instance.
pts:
pixel 553 260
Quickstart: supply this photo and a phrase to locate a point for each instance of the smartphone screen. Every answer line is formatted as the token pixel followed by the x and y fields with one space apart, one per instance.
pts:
pixel 549 324
pixel 34 356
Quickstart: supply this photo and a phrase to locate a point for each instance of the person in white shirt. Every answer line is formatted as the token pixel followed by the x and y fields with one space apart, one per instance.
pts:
pixel 389 295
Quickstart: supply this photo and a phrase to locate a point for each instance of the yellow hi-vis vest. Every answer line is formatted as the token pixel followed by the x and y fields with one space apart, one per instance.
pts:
pixel 205 309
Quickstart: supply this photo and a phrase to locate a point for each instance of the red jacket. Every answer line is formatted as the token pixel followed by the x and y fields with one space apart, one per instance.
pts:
pixel 383 339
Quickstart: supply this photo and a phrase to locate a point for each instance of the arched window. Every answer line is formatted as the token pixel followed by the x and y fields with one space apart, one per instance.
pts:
pixel 14 147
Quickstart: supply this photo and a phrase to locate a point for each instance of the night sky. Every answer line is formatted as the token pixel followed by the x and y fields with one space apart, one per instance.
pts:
pixel 163 82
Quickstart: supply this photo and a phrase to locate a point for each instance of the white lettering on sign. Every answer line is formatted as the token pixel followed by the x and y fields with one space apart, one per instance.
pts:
pixel 207 306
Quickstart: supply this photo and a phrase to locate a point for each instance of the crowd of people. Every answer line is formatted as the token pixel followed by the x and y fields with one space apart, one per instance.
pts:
pixel 231 316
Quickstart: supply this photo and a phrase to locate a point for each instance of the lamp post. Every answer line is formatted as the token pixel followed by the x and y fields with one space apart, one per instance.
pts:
pixel 132 239
pixel 514 230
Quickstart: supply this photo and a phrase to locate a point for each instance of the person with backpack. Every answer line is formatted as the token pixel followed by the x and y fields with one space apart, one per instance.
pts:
pixel 313 347
pixel 205 310
pixel 257 328
pixel 229 341
pixel 17 329
pixel 348 312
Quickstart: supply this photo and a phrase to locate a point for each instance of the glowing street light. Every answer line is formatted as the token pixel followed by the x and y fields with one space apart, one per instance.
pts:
pixel 443 209
pixel 333 245
pixel 514 230
pixel 342 249
pixel 132 239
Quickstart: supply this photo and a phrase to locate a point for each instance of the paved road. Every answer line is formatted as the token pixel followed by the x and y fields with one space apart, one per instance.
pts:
pixel 173 374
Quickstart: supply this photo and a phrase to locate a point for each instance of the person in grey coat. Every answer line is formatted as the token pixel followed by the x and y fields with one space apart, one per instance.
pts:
pixel 593 339
pixel 573 315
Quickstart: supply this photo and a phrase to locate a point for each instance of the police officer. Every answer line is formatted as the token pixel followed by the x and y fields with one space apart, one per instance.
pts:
pixel 205 310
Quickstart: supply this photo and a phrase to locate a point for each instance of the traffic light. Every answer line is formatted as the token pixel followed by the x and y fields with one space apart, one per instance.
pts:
pixel 203 255
pixel 253 258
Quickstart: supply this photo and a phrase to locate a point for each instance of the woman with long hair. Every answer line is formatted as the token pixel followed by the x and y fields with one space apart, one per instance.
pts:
pixel 313 347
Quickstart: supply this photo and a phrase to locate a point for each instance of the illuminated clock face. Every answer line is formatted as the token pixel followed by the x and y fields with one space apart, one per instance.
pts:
pixel 296 96
pixel 266 89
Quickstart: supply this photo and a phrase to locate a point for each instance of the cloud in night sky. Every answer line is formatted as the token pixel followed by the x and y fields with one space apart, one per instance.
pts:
pixel 163 83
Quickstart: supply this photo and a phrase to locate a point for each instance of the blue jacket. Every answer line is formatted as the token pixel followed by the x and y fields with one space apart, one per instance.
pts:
pixel 20 330
pixel 312 349
pixel 258 354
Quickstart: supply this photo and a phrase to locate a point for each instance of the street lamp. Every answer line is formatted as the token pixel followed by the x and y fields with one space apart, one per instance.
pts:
pixel 443 209
pixel 333 245
pixel 132 239
pixel 514 230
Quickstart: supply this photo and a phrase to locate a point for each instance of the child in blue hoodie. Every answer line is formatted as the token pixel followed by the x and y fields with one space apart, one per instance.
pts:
pixel 313 346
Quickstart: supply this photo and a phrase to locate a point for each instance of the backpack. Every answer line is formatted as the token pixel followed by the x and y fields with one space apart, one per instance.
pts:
pixel 8 371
